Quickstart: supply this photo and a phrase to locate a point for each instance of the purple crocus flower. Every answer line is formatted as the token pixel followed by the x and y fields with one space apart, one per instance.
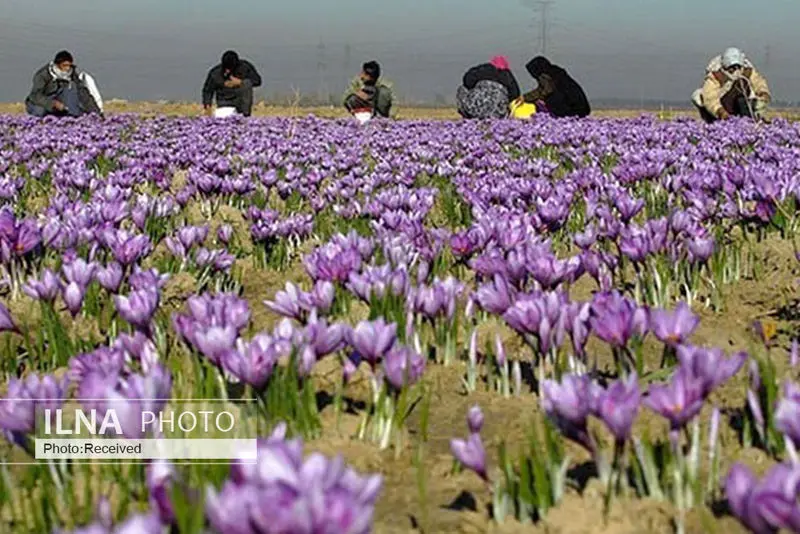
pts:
pixel 680 400
pixel 585 240
pixel 429 301
pixel 253 362
pixel 496 297
pixel 139 307
pixel 109 277
pixel 787 414
pixel 212 323
pixel 321 296
pixel 306 360
pixel 190 236
pixel 551 272
pixel 73 297
pixel 159 477
pixel 740 488
pixel 28 237
pixel 403 367
pixel 618 406
pixel 465 244
pixel 673 328
pixel 225 233
pixel 372 340
pixel 700 248
pixel 289 303
pixel 768 505
pixel 103 361
pixel 18 410
pixel 332 262
pixel 175 248
pixel 475 419
pixel 46 289
pixel 569 404
pixel 213 342
pixel 127 248
pixel 224 261
pixel 615 319
pixel 324 339
pixel 627 206
pixel 776 497
pixel 139 347
pixel 80 272
pixel 525 316
pixel 576 317
pixel 137 394
pixel 6 321
pixel 710 365
pixel 204 257
pixel 229 508
pixel 499 351
pixel 149 279
pixel 471 454
pixel 635 244
pixel 286 493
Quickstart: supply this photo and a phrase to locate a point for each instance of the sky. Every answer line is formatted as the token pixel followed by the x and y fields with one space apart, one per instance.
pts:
pixel 629 49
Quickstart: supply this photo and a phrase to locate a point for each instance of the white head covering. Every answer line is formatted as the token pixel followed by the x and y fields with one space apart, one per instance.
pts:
pixel 733 57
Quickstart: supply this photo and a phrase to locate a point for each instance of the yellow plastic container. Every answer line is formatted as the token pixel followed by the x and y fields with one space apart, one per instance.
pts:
pixel 522 110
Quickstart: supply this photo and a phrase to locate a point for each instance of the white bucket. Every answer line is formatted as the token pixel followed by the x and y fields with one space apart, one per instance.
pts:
pixel 224 113
pixel 362 116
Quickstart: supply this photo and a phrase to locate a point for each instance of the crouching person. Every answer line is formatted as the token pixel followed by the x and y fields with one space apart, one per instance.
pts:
pixel 231 83
pixel 557 94
pixel 373 98
pixel 487 90
pixel 60 89
pixel 732 88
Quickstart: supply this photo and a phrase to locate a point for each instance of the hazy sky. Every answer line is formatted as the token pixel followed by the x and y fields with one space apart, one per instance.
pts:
pixel 161 49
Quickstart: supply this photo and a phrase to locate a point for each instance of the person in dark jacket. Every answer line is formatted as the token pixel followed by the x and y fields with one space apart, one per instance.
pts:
pixel 231 83
pixel 558 93
pixel 61 90
pixel 373 99
pixel 487 90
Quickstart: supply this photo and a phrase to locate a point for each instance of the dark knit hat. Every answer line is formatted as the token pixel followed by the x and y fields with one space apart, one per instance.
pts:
pixel 63 56
pixel 230 60
pixel 372 69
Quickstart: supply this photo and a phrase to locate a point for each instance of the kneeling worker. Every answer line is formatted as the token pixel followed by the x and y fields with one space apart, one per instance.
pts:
pixel 732 87
pixel 372 99
pixel 557 94
pixel 61 90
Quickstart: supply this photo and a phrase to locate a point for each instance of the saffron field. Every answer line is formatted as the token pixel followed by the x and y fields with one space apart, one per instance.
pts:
pixel 441 326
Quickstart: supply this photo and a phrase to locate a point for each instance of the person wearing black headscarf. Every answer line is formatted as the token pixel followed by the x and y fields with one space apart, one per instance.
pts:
pixel 232 83
pixel 561 94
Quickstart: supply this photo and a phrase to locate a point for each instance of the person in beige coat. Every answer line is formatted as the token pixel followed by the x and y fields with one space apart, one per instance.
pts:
pixel 732 87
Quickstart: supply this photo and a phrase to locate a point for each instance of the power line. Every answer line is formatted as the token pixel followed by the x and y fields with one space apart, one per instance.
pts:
pixel 542 9
pixel 767 53
pixel 346 65
pixel 321 67
pixel 544 6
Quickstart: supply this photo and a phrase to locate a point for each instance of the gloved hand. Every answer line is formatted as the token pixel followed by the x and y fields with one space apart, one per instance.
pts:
pixel 723 114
